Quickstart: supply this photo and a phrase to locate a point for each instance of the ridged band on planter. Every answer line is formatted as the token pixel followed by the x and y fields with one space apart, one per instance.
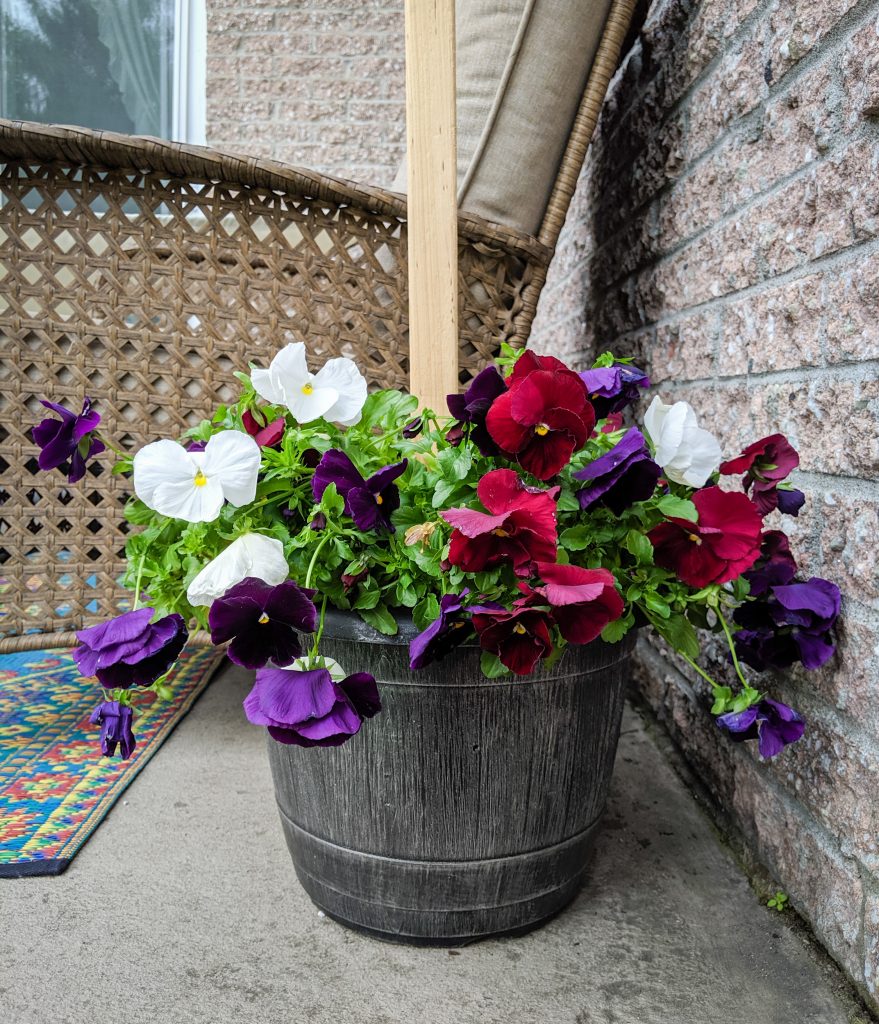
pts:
pixel 143 273
pixel 468 806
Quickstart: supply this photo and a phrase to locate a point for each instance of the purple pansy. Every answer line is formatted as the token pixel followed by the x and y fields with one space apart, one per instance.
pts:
pixel 449 629
pixel 612 388
pixel 471 408
pixel 308 709
pixel 115 722
pixel 263 622
pixel 790 500
pixel 775 565
pixel 623 475
pixel 773 724
pixel 789 623
pixel 69 440
pixel 130 650
pixel 368 502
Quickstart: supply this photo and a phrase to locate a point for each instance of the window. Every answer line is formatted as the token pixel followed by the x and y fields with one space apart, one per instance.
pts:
pixel 135 66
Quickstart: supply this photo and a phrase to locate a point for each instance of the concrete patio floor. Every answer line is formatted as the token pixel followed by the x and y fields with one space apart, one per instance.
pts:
pixel 183 907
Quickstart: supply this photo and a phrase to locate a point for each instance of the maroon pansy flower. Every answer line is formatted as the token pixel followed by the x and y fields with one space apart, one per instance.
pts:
pixel 519 527
pixel 449 629
pixel 722 544
pixel 620 477
pixel 583 601
pixel 309 709
pixel 471 408
pixel 519 637
pixel 267 436
pixel 68 442
pixel 773 724
pixel 130 650
pixel 368 502
pixel 262 622
pixel 765 464
pixel 543 418
pixel 115 722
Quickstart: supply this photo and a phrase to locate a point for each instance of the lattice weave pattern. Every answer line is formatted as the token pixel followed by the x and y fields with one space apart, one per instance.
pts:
pixel 146 291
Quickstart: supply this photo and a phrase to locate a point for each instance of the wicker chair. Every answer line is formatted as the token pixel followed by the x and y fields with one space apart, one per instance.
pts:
pixel 144 273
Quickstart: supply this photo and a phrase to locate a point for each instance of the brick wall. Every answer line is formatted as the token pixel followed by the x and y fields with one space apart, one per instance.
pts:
pixel 726 231
pixel 318 83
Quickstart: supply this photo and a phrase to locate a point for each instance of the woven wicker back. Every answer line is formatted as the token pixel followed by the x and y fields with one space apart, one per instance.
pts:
pixel 144 273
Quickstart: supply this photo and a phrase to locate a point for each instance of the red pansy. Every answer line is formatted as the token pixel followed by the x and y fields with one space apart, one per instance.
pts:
pixel 583 601
pixel 765 464
pixel 519 637
pixel 267 436
pixel 724 543
pixel 519 527
pixel 544 417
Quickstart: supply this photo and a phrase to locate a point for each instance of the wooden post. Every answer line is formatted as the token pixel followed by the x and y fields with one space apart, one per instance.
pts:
pixel 433 214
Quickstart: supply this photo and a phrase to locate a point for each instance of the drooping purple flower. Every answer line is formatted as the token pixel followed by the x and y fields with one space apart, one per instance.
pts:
pixel 471 408
pixel 612 388
pixel 413 428
pixel 308 709
pixel 115 722
pixel 69 441
pixel 263 622
pixel 449 629
pixel 620 477
pixel 368 502
pixel 775 565
pixel 773 724
pixel 130 650
pixel 789 623
pixel 790 500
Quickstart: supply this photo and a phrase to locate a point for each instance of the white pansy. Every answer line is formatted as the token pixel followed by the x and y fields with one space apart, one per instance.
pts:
pixel 251 554
pixel 687 453
pixel 336 392
pixel 194 485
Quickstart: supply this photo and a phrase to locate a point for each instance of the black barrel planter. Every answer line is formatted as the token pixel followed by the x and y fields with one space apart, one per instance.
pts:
pixel 468 806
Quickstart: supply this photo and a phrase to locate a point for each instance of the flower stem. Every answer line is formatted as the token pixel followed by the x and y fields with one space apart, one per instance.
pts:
pixel 137 580
pixel 320 629
pixel 313 561
pixel 732 647
pixel 714 685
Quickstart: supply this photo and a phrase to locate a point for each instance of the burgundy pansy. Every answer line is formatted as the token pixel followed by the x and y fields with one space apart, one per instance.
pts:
pixel 471 408
pixel 519 637
pixel 765 464
pixel 519 526
pixel 722 544
pixel 543 418
pixel 266 436
pixel 583 601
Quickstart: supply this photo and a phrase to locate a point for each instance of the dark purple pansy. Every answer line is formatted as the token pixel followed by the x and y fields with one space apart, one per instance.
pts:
pixel 368 502
pixel 67 441
pixel 773 724
pixel 115 722
pixel 262 622
pixel 449 629
pixel 789 623
pixel 790 500
pixel 413 428
pixel 613 388
pixel 130 650
pixel 471 408
pixel 308 709
pixel 620 477
pixel 775 565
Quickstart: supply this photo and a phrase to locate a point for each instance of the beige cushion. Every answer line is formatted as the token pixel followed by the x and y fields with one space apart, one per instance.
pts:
pixel 522 66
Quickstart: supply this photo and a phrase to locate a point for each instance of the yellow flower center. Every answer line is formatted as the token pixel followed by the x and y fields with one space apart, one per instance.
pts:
pixel 541 430
pixel 379 500
pixel 500 533
pixel 200 479
pixel 307 389
pixel 694 538
pixel 263 619
pixel 519 628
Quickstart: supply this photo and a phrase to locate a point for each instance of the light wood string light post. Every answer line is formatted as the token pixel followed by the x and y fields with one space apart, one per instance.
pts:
pixel 432 214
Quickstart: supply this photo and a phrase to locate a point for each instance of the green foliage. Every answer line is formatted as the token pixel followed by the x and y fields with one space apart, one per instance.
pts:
pixel 778 901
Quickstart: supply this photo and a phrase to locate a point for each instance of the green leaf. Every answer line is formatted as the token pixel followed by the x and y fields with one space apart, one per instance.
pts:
pixel 638 545
pixel 426 611
pixel 679 508
pixel 491 666
pixel 614 631
pixel 332 504
pixel 381 619
pixel 657 605
pixel 444 491
pixel 577 538
pixel 679 632
pixel 455 463
pixel 567 501
pixel 722 698
pixel 366 599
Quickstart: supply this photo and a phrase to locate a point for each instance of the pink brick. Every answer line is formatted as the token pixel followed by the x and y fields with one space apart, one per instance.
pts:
pixel 860 66
pixel 773 330
pixel 849 528
pixel 684 350
pixel 796 26
pixel 851 297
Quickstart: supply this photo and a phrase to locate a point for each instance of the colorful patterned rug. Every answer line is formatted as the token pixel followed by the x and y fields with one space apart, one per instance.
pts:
pixel 55 787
